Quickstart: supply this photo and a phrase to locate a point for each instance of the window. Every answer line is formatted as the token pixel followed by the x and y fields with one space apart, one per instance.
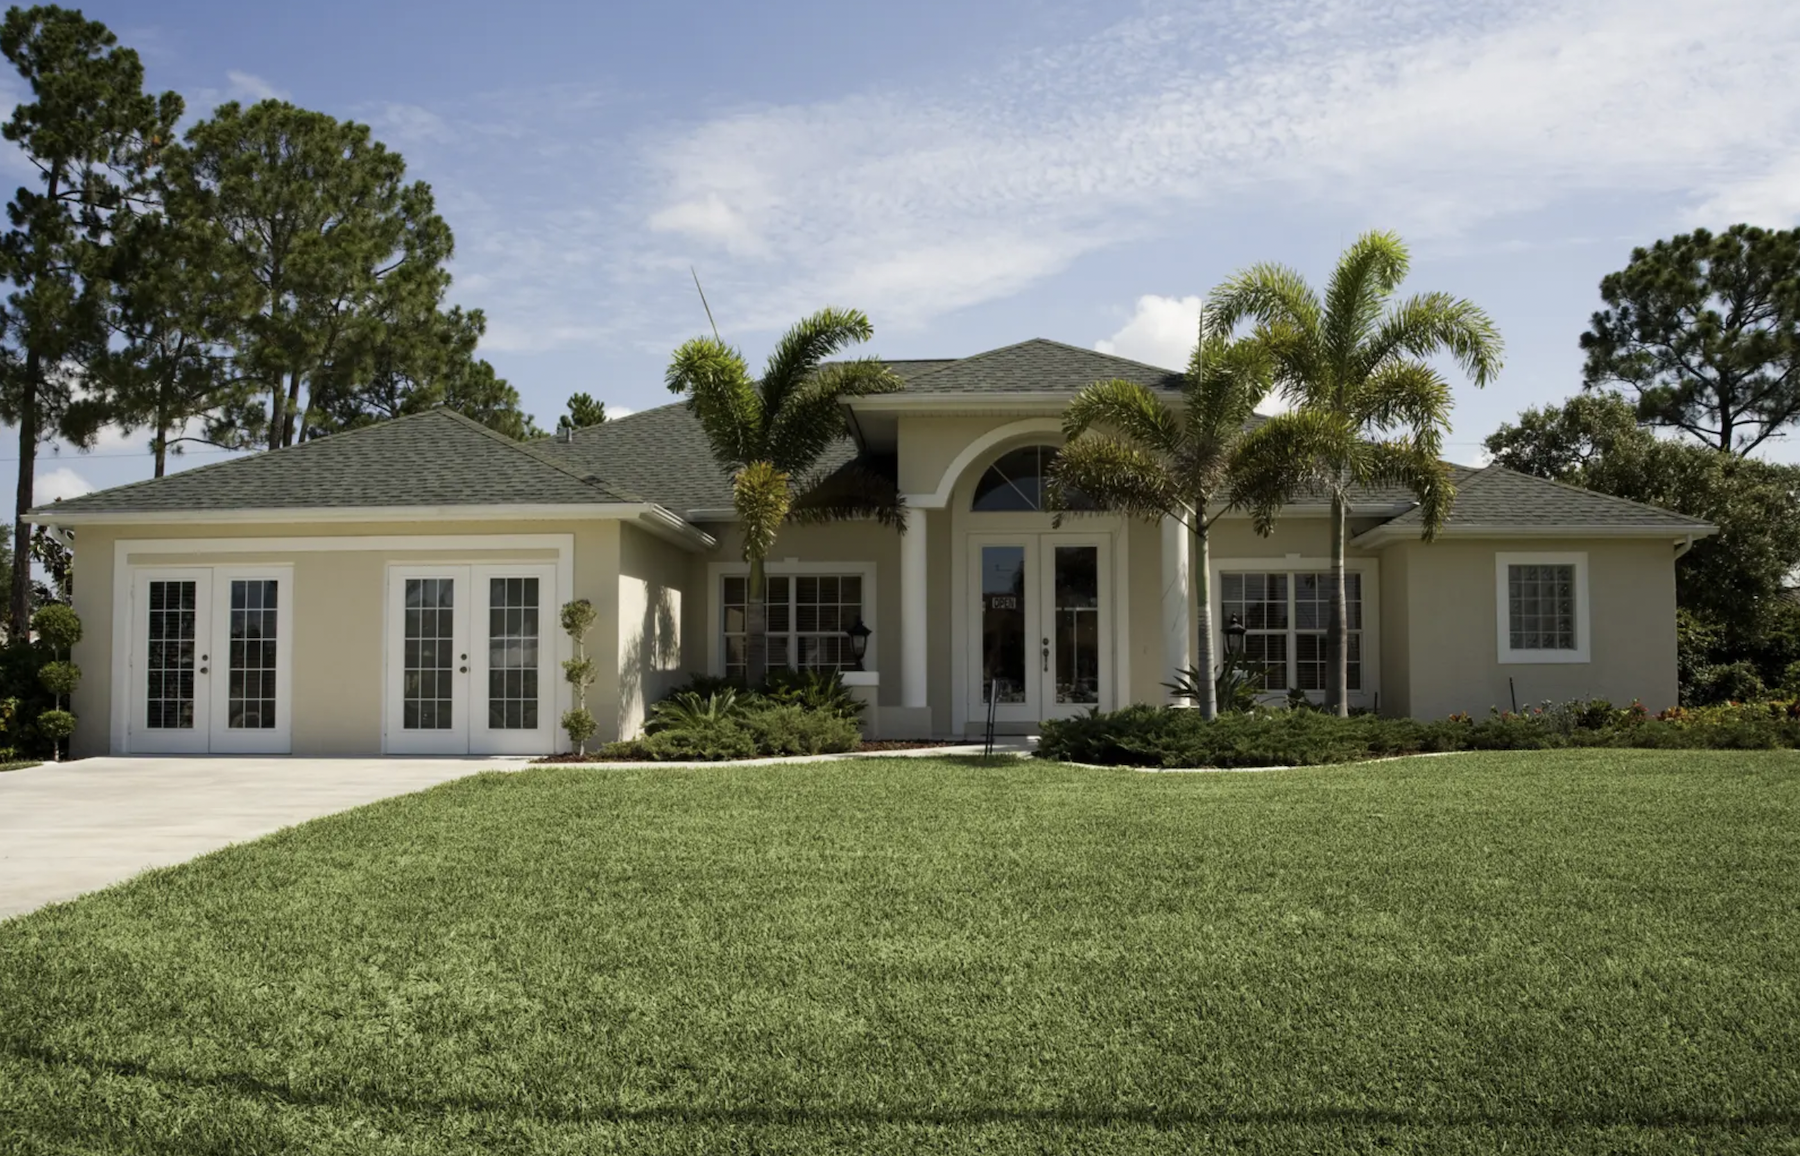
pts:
pixel 250 695
pixel 808 616
pixel 513 653
pixel 1541 607
pixel 1017 482
pixel 1287 618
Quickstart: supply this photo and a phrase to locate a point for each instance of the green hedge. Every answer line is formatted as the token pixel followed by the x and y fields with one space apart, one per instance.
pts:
pixel 1160 736
pixel 794 713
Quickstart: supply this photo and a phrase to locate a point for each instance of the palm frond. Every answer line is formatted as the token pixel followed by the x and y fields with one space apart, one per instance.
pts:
pixel 1366 276
pixel 1408 395
pixel 1116 475
pixel 805 347
pixel 1226 381
pixel 716 381
pixel 1301 453
pixel 1427 323
pixel 811 417
pixel 1413 463
pixel 762 498
pixel 1267 293
pixel 863 488
pixel 1126 407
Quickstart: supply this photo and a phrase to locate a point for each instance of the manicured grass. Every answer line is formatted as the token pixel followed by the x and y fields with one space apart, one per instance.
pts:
pixel 1584 951
pixel 19 766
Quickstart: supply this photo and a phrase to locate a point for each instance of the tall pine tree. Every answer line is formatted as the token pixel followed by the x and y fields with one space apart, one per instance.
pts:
pixel 92 134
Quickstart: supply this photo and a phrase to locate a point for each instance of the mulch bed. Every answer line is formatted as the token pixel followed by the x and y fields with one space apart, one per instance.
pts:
pixel 876 747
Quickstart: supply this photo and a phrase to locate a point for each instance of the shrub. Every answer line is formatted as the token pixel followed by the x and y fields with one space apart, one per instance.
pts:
pixel 1164 737
pixel 803 713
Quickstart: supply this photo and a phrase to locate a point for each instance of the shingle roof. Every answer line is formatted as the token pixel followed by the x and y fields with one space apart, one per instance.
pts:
pixel 436 458
pixel 661 453
pixel 1038 366
pixel 1497 496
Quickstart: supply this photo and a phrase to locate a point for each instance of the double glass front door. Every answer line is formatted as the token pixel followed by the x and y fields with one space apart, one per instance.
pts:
pixel 1042 625
pixel 209 663
pixel 471 659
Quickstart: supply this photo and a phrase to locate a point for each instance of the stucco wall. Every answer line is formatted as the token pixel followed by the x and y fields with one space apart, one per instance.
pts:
pixel 652 573
pixel 337 696
pixel 1452 653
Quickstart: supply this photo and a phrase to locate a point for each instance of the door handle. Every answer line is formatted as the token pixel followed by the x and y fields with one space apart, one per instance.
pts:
pixel 1046 656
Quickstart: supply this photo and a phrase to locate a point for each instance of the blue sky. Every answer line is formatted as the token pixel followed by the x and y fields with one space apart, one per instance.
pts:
pixel 976 174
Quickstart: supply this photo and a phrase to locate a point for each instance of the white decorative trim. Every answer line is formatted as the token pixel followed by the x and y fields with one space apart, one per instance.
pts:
pixel 715 597
pixel 124 624
pixel 1369 568
pixel 655 519
pixel 1503 650
pixel 915 614
pixel 1177 598
pixel 940 497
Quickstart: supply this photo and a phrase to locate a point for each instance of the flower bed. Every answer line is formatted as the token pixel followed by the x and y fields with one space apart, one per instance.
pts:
pixel 1157 736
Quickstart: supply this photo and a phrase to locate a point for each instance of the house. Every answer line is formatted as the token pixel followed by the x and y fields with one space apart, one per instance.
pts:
pixel 396 589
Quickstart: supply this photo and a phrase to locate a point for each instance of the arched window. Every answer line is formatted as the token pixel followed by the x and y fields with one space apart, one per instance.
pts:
pixel 1017 482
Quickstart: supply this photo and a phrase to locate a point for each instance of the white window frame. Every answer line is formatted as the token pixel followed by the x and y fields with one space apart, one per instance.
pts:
pixel 717 572
pixel 1503 561
pixel 1292 564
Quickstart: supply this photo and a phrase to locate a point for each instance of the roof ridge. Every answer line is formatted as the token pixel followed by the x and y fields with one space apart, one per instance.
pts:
pixel 536 455
pixel 1113 356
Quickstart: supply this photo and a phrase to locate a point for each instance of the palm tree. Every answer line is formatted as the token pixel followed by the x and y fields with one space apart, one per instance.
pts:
pixel 1152 463
pixel 1368 407
pixel 771 434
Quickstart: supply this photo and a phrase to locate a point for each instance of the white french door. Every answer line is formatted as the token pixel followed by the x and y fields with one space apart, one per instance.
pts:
pixel 471 659
pixel 210 665
pixel 1042 625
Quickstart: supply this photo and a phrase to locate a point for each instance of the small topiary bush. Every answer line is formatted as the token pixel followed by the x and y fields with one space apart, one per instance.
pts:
pixel 1158 736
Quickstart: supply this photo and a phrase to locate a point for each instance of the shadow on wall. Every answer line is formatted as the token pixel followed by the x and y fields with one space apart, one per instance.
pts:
pixel 650 659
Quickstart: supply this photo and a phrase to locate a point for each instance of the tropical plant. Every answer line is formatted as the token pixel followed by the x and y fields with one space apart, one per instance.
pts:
pixel 687 709
pixel 1128 451
pixel 577 618
pixel 1369 408
pixel 772 433
pixel 58 628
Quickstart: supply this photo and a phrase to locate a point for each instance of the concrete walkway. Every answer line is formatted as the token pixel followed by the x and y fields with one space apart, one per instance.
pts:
pixel 73 828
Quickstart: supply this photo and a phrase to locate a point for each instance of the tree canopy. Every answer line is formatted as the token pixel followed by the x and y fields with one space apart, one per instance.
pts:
pixel 1704 331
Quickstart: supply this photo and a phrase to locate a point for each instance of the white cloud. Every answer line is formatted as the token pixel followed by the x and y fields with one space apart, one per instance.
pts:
pixel 408 123
pixel 247 86
pixel 57 484
pixel 1770 199
pixel 1433 117
pixel 613 411
pixel 1162 331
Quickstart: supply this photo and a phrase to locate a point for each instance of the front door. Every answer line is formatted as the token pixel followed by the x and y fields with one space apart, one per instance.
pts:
pixel 471 660
pixel 1043 627
pixel 209 666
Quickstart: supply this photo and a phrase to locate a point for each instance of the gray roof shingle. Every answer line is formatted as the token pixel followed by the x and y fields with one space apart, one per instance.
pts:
pixel 436 458
pixel 1497 496
pixel 1038 366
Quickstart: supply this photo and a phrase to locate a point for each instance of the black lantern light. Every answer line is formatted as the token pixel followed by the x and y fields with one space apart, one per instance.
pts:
pixel 1234 636
pixel 859 641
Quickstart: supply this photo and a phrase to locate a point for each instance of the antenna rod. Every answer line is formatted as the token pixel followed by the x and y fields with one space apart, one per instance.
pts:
pixel 705 306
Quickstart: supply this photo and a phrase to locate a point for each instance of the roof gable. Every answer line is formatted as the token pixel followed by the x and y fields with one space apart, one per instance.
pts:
pixel 436 458
pixel 1038 366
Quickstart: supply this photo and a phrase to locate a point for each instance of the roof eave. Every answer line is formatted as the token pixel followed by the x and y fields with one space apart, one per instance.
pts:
pixel 1384 534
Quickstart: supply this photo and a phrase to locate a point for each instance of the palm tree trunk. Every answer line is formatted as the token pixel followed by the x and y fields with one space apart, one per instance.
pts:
pixel 756 625
pixel 1203 654
pixel 1337 646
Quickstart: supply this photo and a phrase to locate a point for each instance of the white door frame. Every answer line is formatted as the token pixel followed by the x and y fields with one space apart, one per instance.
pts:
pixel 194 740
pixel 470 733
pixel 1039 546
pixel 212 732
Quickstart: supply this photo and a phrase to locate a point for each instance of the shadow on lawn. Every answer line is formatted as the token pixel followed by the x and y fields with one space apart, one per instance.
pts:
pixel 1088 1115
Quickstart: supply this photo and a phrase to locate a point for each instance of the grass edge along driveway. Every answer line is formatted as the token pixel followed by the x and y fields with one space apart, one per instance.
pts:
pixel 1573 951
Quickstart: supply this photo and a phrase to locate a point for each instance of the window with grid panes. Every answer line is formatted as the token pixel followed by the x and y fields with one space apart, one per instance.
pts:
pixel 1286 615
pixel 1541 605
pixel 808 615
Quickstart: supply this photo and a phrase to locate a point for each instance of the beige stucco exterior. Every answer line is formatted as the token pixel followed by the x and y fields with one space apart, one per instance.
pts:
pixel 1433 607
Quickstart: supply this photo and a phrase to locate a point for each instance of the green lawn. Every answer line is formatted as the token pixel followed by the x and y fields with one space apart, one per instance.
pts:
pixel 1591 951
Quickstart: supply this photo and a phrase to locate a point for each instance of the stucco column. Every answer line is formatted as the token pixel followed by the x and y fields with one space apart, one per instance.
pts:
pixel 1177 593
pixel 914 625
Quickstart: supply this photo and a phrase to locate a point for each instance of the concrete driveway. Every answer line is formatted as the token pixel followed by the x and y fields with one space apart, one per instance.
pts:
pixel 68 829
